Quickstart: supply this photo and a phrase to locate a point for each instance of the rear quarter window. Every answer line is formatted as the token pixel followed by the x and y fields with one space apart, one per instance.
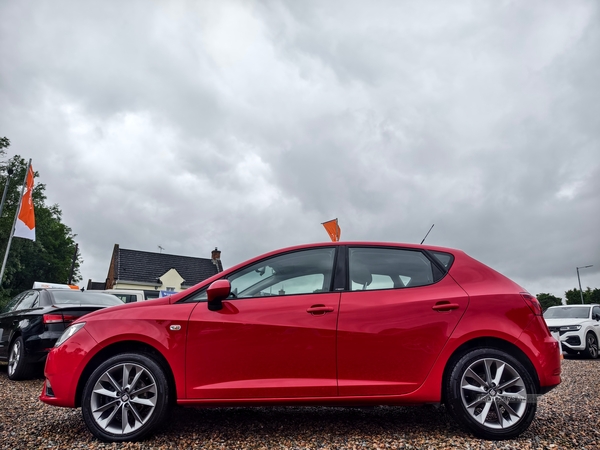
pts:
pixel 445 259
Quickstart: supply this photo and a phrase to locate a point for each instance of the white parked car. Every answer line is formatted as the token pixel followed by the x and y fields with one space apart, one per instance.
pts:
pixel 125 295
pixel 578 327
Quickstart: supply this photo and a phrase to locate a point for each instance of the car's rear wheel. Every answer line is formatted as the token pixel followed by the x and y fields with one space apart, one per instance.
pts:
pixel 591 345
pixel 125 398
pixel 491 393
pixel 18 369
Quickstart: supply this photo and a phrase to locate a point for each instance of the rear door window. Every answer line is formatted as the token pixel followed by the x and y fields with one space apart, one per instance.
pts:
pixel 388 268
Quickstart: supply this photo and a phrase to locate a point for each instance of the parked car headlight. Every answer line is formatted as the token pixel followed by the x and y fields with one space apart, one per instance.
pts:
pixel 68 333
pixel 571 328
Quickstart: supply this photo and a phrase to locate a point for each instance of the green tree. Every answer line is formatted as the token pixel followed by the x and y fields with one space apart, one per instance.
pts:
pixel 50 256
pixel 589 296
pixel 548 300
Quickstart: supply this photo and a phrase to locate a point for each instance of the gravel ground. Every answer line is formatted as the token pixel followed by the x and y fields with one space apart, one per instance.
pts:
pixel 567 418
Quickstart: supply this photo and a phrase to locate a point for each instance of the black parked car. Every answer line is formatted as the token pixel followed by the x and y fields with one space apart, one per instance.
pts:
pixel 32 322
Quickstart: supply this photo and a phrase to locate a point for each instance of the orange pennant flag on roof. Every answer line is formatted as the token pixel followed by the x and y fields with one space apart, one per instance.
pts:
pixel 25 225
pixel 333 229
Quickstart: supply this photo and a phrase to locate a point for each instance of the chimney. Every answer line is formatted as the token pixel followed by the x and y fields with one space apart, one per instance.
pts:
pixel 215 256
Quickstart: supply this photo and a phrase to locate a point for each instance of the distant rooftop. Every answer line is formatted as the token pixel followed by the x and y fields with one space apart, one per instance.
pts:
pixel 146 267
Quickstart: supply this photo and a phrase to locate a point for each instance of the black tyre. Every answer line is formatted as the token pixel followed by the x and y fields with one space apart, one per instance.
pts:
pixel 125 398
pixel 591 345
pixel 18 369
pixel 491 393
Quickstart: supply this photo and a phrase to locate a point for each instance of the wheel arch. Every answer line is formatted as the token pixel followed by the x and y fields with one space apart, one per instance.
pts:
pixel 16 334
pixel 126 347
pixel 13 336
pixel 594 331
pixel 489 342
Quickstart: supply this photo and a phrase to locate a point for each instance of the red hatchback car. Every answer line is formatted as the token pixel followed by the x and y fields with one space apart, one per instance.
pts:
pixel 345 323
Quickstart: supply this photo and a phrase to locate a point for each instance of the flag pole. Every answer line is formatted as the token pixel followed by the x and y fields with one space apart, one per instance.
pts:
pixel 14 224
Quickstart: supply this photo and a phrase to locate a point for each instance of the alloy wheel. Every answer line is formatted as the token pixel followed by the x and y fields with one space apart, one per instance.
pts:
pixel 493 393
pixel 14 358
pixel 592 345
pixel 124 398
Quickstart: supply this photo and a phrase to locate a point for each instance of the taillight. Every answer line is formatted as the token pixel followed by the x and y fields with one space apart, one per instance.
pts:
pixel 533 303
pixel 59 318
pixel 53 318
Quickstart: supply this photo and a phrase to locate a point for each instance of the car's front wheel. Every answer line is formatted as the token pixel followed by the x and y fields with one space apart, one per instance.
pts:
pixel 491 393
pixel 18 369
pixel 125 398
pixel 591 345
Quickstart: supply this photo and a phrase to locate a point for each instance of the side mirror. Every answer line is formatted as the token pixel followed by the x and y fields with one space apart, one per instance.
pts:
pixel 216 293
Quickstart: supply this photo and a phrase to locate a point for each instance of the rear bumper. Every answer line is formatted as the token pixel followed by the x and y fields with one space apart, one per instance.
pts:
pixel 544 353
pixel 38 346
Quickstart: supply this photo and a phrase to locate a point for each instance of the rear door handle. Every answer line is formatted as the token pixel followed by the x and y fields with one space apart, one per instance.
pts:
pixel 317 310
pixel 445 306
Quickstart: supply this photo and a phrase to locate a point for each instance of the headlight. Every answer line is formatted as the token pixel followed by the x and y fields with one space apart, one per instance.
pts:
pixel 571 328
pixel 68 333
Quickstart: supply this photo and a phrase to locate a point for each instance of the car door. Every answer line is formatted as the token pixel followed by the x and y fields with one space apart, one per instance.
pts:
pixel 396 316
pixel 275 336
pixel 11 317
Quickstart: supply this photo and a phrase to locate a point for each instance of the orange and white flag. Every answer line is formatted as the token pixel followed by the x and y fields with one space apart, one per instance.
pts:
pixel 333 229
pixel 25 226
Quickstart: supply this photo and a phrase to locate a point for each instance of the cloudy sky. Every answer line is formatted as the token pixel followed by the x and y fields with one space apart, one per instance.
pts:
pixel 243 125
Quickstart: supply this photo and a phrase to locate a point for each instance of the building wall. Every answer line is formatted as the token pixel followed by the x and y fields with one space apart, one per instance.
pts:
pixel 171 279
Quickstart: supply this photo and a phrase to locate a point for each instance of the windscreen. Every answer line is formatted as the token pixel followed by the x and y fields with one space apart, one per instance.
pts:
pixel 569 312
pixel 70 297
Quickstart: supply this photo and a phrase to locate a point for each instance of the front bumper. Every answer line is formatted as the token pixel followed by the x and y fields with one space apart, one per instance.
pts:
pixel 64 366
pixel 570 340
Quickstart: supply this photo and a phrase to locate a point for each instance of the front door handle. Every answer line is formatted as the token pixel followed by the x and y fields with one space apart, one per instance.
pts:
pixel 317 310
pixel 445 306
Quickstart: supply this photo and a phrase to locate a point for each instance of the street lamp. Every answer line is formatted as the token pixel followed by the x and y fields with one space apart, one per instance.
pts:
pixel 580 291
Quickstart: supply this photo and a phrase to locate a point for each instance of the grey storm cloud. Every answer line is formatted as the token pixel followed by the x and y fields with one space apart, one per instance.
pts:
pixel 244 125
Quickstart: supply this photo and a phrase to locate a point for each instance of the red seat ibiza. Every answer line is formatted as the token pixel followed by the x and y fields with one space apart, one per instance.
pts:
pixel 345 323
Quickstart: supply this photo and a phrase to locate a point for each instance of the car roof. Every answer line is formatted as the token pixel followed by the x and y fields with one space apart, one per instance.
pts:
pixel 571 306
